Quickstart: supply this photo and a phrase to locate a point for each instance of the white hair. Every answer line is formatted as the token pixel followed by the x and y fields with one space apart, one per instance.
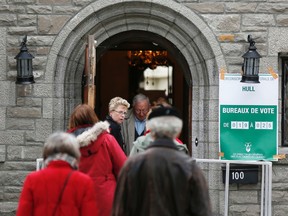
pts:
pixel 61 142
pixel 165 126
pixel 117 101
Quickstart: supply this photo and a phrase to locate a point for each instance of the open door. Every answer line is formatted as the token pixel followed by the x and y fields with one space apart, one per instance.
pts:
pixel 88 77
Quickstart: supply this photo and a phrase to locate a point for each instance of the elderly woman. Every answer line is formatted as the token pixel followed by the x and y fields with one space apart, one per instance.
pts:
pixel 168 181
pixel 117 112
pixel 101 156
pixel 58 189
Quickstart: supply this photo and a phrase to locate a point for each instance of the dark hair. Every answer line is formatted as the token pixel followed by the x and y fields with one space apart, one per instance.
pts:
pixel 82 114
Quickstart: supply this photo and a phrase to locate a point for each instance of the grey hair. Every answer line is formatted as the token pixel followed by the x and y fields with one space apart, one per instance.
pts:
pixel 165 126
pixel 61 142
pixel 140 97
pixel 116 101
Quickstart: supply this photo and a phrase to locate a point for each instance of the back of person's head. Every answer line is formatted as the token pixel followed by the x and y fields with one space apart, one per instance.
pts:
pixel 140 97
pixel 117 101
pixel 61 142
pixel 83 114
pixel 164 122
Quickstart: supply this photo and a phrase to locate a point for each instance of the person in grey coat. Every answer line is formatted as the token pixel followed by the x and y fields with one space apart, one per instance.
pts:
pixel 162 181
pixel 134 124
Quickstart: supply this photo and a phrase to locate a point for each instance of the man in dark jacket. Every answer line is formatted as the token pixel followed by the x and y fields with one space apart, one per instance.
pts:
pixel 161 180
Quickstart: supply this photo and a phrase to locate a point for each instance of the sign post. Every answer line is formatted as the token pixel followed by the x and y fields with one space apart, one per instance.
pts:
pixel 248 118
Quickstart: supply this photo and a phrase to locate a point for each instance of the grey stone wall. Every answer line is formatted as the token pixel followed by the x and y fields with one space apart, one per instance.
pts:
pixel 26 112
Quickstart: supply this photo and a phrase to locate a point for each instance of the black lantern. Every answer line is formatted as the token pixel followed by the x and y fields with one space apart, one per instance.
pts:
pixel 250 66
pixel 24 65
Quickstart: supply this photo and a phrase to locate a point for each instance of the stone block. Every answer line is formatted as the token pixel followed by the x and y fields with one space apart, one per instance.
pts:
pixel 209 7
pixel 243 197
pixel 51 24
pixel 18 166
pixel 2 118
pixel 52 2
pixel 279 174
pixel 24 112
pixel 39 9
pixel 29 102
pixel 11 137
pixel 43 130
pixel 24 90
pixel 8 20
pixel 11 193
pixel 8 208
pixel 66 9
pixel 43 90
pixel 20 124
pixel 272 8
pixel 244 7
pixel 3 33
pixel 277 41
pixel 232 49
pixel 3 67
pixel 280 195
pixel 2 153
pixel 245 210
pixel 20 1
pixel 48 108
pixel 258 20
pixel 12 178
pixel 24 152
pixel 41 40
pixel 223 23
pixel 5 92
pixel 81 2
pixel 22 30
pixel 27 20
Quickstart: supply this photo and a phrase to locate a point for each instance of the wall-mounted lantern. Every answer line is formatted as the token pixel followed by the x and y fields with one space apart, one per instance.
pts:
pixel 24 65
pixel 250 68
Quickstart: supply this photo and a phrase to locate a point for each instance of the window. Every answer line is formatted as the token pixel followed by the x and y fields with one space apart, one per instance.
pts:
pixel 284 93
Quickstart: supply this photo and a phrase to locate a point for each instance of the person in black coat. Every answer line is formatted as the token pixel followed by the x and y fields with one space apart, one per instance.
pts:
pixel 117 112
pixel 161 180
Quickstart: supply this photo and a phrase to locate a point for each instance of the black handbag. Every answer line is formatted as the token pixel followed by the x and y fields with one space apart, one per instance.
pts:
pixel 61 192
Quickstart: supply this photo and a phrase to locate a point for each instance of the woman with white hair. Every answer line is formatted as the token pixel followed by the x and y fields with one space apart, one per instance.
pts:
pixel 58 189
pixel 117 112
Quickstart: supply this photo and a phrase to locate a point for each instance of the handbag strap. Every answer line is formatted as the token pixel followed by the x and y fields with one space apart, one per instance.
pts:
pixel 61 192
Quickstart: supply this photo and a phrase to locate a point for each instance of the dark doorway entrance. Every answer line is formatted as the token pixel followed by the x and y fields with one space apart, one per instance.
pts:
pixel 117 76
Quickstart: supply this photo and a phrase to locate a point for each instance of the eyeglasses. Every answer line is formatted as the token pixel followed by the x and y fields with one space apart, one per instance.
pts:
pixel 143 111
pixel 121 112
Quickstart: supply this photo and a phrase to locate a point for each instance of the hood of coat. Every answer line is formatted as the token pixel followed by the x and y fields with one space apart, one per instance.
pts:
pixel 90 135
pixel 142 142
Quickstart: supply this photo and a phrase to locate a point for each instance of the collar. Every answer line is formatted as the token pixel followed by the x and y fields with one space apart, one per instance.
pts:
pixel 137 120
pixel 62 157
pixel 163 142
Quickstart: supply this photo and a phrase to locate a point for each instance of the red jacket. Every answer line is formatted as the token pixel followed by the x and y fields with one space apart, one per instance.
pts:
pixel 101 158
pixel 41 190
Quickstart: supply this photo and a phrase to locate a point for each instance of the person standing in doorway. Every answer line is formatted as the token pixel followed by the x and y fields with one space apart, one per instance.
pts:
pixel 135 121
pixel 58 189
pixel 101 156
pixel 117 112
pixel 162 180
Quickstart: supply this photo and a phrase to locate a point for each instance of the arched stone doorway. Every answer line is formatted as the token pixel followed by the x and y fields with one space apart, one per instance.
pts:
pixel 115 77
pixel 168 19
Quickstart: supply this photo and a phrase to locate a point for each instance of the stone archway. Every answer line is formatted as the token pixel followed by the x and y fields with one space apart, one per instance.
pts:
pixel 169 19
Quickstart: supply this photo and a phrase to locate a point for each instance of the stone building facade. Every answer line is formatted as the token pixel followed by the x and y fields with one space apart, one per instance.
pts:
pixel 211 35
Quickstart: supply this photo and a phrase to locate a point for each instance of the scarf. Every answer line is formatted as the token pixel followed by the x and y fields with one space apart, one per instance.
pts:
pixel 63 157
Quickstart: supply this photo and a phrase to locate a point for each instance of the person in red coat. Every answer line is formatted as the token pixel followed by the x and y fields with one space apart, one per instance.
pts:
pixel 101 156
pixel 58 189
